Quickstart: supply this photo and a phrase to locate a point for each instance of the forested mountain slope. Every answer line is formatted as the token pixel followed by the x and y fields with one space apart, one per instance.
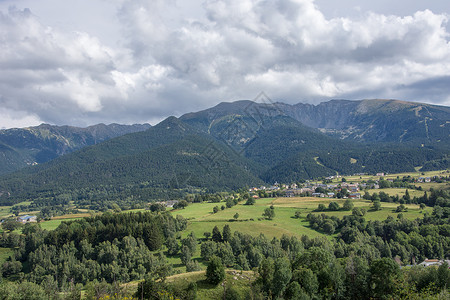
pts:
pixel 155 164
pixel 20 147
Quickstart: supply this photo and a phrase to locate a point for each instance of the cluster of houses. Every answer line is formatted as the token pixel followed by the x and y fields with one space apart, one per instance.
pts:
pixel 168 203
pixel 309 188
pixel 424 179
pixel 293 190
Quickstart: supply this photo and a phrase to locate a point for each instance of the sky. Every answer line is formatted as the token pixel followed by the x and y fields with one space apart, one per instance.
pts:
pixel 85 62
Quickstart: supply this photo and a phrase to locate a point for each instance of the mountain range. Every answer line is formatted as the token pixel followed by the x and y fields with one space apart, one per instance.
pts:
pixel 374 120
pixel 239 144
pixel 20 147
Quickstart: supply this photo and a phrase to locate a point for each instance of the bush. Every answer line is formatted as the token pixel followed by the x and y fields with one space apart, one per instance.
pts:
pixel 250 201
pixel 321 207
pixel 269 213
pixel 333 206
pixel 348 205
pixel 232 294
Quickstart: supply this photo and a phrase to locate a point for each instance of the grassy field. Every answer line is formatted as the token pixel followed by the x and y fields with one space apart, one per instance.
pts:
pixel 397 191
pixel 5 211
pixel 236 279
pixel 201 218
pixel 53 224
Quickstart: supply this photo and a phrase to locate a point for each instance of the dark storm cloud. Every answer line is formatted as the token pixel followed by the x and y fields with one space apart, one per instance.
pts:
pixel 436 90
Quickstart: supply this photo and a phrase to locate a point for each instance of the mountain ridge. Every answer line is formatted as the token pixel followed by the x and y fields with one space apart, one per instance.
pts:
pixel 369 120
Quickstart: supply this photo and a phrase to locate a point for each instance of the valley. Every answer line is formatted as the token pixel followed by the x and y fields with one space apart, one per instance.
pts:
pixel 243 200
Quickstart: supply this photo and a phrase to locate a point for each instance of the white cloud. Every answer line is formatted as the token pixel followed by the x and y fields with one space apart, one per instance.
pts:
pixel 170 62
pixel 17 119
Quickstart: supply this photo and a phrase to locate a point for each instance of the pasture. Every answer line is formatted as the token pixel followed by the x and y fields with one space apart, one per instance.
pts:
pixel 202 219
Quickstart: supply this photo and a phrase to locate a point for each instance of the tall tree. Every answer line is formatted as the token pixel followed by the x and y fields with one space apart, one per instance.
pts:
pixel 216 235
pixel 383 275
pixel 226 233
pixel 281 276
pixel 215 272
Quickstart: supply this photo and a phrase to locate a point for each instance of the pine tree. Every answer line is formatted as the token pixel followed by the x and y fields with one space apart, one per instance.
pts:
pixel 226 233
pixel 216 235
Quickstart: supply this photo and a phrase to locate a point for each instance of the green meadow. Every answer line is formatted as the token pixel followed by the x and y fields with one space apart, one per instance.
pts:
pixel 53 224
pixel 202 219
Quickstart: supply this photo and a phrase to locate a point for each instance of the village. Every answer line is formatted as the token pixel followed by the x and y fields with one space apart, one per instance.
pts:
pixel 338 187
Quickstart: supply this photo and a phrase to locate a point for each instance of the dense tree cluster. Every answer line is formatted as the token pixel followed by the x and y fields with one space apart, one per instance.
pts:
pixel 110 247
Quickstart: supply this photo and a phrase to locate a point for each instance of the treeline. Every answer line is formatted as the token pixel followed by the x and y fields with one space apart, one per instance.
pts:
pixel 435 197
pixel 359 266
pixel 379 158
pixel 110 247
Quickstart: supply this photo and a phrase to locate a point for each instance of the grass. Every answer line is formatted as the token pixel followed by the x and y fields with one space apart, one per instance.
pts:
pixel 250 221
pixel 426 186
pixel 398 191
pixel 72 216
pixel 4 254
pixel 238 280
pixel 53 224
pixel 358 178
pixel 5 211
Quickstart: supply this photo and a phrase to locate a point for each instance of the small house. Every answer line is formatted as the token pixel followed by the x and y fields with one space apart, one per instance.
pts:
pixel 431 262
pixel 169 203
pixel 289 194
pixel 27 219
pixel 355 196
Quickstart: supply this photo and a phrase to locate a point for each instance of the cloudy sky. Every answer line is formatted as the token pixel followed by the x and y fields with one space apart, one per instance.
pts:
pixel 132 61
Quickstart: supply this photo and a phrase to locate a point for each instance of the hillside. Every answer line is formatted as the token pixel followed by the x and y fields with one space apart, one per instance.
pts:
pixel 20 147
